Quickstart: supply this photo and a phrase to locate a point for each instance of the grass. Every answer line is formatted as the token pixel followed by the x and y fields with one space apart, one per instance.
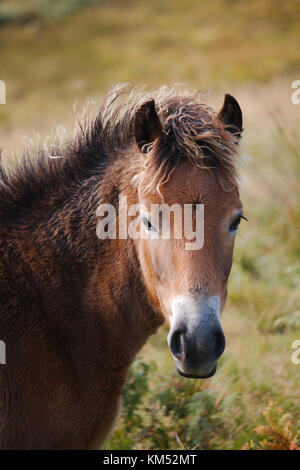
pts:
pixel 50 60
pixel 220 44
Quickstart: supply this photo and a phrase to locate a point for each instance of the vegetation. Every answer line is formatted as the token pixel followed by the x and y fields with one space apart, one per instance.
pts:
pixel 51 58
pixel 180 414
pixel 39 11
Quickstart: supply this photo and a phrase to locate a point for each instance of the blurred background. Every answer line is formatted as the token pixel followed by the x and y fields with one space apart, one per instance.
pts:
pixel 54 54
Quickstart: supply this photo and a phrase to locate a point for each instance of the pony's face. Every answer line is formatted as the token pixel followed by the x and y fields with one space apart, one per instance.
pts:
pixel 186 279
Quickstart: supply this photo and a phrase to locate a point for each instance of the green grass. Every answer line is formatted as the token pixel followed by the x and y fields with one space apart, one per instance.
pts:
pixel 50 60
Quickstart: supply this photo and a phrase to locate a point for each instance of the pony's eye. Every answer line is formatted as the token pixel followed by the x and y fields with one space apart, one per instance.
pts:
pixel 147 223
pixel 235 223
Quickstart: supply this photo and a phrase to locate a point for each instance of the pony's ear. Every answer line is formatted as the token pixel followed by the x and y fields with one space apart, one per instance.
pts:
pixel 231 115
pixel 147 126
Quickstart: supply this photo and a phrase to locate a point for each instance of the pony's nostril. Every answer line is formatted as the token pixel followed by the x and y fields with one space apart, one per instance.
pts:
pixel 176 345
pixel 219 342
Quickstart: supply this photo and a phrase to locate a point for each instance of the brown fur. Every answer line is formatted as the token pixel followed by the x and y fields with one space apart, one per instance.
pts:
pixel 75 310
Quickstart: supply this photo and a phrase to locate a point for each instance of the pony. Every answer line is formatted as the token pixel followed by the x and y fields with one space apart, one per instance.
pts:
pixel 75 309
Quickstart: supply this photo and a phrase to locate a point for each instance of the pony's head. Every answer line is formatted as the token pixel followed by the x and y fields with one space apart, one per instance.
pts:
pixel 190 159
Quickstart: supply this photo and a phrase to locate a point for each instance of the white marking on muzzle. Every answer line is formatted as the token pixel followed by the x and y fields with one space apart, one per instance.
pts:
pixel 193 312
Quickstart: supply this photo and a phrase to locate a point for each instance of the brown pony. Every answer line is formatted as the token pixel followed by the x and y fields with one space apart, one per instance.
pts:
pixel 75 310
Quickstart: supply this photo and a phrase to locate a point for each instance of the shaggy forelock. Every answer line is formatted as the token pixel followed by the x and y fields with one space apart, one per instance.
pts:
pixel 191 130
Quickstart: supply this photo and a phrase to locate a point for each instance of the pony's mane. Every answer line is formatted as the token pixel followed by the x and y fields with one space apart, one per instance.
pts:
pixel 190 130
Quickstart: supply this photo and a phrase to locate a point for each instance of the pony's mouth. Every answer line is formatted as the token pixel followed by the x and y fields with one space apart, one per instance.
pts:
pixel 192 376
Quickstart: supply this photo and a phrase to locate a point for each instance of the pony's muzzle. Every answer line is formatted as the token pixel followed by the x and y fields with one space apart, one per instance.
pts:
pixel 196 338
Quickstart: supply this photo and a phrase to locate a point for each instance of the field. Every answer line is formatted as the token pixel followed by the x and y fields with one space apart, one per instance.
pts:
pixel 52 57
